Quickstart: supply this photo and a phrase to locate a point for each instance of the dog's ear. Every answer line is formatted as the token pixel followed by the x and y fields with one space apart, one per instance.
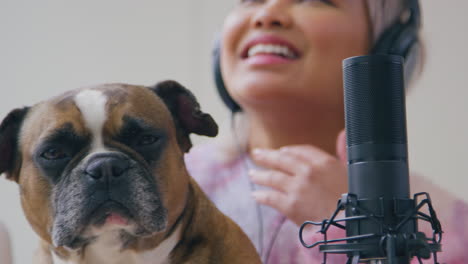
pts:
pixel 186 112
pixel 9 135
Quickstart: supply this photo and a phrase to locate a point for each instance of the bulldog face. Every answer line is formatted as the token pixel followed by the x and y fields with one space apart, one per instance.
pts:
pixel 103 159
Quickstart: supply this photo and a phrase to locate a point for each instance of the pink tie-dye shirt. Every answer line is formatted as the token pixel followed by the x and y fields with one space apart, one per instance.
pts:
pixel 226 183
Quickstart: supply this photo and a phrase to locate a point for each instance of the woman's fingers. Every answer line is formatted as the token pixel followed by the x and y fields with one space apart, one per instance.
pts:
pixel 299 176
pixel 274 199
pixel 308 154
pixel 278 160
pixel 271 178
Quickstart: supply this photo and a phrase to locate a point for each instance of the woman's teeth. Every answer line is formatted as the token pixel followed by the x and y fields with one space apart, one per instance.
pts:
pixel 271 49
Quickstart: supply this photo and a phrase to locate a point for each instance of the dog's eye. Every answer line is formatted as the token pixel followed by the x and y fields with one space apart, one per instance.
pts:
pixel 146 140
pixel 53 154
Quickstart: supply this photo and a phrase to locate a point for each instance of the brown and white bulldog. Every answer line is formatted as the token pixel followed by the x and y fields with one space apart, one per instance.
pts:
pixel 102 178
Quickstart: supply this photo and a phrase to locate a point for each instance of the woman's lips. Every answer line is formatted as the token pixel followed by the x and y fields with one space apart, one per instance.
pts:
pixel 269 46
pixel 268 50
pixel 267 59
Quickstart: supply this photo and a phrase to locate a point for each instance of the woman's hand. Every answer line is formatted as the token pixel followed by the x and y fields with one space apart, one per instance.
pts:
pixel 306 181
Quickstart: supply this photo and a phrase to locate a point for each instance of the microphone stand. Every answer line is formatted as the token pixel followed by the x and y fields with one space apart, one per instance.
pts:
pixel 381 220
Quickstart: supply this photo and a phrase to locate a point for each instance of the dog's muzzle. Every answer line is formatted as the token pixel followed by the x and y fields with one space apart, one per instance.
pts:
pixel 103 184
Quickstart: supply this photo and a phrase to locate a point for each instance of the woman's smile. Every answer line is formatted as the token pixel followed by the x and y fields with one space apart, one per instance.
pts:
pixel 269 49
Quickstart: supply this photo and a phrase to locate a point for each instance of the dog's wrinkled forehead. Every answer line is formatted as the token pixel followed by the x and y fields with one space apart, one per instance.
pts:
pixel 98 111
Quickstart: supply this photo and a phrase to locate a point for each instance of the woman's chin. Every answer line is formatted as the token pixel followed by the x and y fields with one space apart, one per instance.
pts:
pixel 263 98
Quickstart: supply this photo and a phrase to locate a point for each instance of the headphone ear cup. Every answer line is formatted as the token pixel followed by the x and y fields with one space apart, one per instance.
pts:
pixel 402 39
pixel 218 78
pixel 387 42
pixel 412 59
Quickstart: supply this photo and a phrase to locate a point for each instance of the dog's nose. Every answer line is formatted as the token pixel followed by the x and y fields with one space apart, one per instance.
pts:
pixel 108 166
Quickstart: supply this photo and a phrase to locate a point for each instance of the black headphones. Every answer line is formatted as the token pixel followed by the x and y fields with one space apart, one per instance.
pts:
pixel 400 39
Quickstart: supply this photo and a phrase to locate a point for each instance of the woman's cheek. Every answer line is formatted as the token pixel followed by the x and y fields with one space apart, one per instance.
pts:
pixel 328 38
pixel 234 29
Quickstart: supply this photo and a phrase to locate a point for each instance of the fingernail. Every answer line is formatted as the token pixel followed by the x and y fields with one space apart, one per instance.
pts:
pixel 251 173
pixel 258 151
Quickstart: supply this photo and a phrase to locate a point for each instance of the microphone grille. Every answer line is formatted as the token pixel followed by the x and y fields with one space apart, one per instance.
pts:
pixel 374 100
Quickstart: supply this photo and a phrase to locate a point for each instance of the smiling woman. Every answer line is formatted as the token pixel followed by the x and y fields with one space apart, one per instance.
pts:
pixel 285 160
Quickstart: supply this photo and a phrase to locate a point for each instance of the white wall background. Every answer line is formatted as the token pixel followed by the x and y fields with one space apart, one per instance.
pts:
pixel 51 46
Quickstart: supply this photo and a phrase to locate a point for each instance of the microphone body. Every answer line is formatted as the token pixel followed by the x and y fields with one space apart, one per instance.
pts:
pixel 375 117
pixel 378 173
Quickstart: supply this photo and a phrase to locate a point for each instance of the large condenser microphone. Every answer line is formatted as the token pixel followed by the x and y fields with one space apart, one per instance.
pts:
pixel 375 119
pixel 381 218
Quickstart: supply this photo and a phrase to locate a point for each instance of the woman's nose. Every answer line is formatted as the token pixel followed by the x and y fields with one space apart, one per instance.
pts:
pixel 272 14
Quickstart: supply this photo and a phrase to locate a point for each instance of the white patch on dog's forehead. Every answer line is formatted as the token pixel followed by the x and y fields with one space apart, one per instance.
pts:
pixel 92 104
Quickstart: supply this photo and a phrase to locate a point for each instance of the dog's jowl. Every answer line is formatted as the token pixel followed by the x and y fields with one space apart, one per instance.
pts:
pixel 102 178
